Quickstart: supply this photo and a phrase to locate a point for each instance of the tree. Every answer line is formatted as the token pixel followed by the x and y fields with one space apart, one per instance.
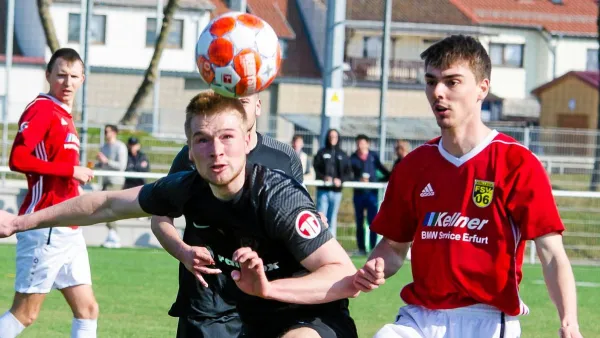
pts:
pixel 132 114
pixel 48 24
pixel 596 171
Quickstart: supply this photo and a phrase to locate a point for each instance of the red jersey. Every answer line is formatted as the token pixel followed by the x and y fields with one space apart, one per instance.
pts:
pixel 468 219
pixel 46 149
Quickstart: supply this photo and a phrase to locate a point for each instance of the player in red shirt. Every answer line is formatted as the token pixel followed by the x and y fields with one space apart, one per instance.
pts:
pixel 46 149
pixel 468 201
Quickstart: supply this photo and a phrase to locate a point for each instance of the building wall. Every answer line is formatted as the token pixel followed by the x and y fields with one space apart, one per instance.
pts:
pixel 26 82
pixel 555 101
pixel 572 54
pixel 306 99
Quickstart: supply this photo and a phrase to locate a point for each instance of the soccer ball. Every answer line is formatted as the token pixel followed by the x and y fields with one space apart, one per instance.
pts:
pixel 238 54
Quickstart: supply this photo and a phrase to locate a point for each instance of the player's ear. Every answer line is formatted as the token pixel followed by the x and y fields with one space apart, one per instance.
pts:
pixel 247 141
pixel 484 88
pixel 258 107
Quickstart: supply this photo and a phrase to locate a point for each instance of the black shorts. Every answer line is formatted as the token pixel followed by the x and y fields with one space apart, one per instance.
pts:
pixel 229 326
pixel 327 326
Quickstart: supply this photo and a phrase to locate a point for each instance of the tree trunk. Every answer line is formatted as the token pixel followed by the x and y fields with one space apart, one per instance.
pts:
pixel 596 171
pixel 132 114
pixel 48 24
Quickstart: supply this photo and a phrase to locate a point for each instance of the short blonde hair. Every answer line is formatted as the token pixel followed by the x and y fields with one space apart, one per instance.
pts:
pixel 209 103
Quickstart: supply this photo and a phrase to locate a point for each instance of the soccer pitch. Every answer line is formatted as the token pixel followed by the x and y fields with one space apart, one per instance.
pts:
pixel 136 287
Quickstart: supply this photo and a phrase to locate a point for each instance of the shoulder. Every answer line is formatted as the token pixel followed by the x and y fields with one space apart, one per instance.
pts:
pixel 278 146
pixel 511 153
pixel 270 181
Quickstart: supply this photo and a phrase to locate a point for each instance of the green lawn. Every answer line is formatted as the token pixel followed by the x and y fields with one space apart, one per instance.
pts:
pixel 135 288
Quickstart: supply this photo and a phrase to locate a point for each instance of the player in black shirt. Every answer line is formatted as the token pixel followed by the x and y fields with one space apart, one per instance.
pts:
pixel 261 225
pixel 201 310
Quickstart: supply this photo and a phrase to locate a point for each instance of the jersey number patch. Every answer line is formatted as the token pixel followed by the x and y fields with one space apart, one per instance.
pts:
pixel 307 225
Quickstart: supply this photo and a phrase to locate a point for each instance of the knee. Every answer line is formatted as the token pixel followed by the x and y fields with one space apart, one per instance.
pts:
pixel 88 311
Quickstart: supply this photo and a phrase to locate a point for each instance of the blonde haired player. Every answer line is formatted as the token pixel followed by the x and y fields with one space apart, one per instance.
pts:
pixel 473 197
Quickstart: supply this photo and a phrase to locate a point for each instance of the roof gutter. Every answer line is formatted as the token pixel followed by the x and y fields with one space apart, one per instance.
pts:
pixel 420 27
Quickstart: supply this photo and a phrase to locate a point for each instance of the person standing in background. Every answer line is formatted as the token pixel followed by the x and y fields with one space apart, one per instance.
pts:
pixel 332 166
pixel 137 161
pixel 402 148
pixel 365 166
pixel 298 144
pixel 112 156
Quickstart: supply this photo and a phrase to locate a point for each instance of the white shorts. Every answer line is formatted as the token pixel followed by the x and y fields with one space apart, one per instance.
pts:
pixel 476 321
pixel 57 263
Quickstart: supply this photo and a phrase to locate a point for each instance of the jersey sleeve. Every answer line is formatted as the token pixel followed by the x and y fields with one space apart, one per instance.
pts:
pixel 33 128
pixel 181 162
pixel 530 201
pixel 292 218
pixel 396 219
pixel 167 196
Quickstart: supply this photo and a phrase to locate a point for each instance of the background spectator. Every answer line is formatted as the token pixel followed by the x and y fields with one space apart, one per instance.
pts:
pixel 137 161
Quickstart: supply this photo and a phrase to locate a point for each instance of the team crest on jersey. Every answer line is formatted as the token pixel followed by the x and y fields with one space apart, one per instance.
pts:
pixel 23 126
pixel 483 192
pixel 307 225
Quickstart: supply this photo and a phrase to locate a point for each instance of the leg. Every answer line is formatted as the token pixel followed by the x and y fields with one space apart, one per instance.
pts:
pixel 360 220
pixel 334 207
pixel 227 326
pixel 26 307
pixel 408 324
pixel 322 201
pixel 372 202
pixel 75 282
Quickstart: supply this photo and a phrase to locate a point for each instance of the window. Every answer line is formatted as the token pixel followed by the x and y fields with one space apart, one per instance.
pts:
pixel 372 47
pixel 509 55
pixel 592 59
pixel 174 38
pixel 284 48
pixel 97 29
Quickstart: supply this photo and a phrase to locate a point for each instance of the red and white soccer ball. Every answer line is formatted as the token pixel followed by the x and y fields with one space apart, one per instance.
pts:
pixel 238 54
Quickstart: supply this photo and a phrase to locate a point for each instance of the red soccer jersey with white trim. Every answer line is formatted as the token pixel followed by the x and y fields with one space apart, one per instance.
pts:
pixel 46 131
pixel 468 218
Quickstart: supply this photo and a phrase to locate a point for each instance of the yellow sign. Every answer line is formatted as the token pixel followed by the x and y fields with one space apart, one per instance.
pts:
pixel 483 191
pixel 334 106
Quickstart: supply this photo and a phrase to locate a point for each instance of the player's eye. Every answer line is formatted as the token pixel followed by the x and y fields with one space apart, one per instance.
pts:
pixel 453 83
pixel 430 82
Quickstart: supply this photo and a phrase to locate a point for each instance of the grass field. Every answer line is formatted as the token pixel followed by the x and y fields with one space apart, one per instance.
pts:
pixel 135 288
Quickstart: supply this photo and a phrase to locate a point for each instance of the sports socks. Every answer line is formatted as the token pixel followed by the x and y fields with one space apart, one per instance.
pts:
pixel 83 328
pixel 10 326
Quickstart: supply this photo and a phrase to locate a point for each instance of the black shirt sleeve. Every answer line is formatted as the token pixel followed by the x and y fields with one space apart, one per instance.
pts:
pixel 168 195
pixel 292 218
pixel 182 161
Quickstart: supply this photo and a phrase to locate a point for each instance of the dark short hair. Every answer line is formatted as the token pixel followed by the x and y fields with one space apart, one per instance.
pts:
pixel 112 127
pixel 457 48
pixel 67 54
pixel 362 137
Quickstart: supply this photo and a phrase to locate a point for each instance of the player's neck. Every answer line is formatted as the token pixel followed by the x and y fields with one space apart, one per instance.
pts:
pixel 459 141
pixel 253 138
pixel 68 104
pixel 229 191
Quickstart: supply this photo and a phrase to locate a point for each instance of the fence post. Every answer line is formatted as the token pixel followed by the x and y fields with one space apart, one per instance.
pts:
pixel 532 252
pixel 527 137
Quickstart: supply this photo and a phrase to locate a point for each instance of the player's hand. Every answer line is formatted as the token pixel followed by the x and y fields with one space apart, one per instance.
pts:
pixel 251 278
pixel 371 276
pixel 102 158
pixel 337 182
pixel 324 220
pixel 82 174
pixel 7 225
pixel 196 259
pixel 569 331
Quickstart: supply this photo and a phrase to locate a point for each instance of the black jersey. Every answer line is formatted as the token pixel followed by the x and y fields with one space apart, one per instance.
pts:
pixel 273 214
pixel 193 299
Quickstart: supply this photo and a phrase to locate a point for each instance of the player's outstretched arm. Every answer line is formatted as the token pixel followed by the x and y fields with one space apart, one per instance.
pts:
pixel 92 208
pixel 560 282
pixel 385 260
pixel 329 279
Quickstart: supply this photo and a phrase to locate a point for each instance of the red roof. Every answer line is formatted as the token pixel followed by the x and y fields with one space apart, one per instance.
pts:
pixel 591 78
pixel 573 17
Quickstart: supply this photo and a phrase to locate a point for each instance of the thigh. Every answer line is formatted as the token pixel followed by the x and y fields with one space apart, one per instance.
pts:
pixel 229 326
pixel 338 326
